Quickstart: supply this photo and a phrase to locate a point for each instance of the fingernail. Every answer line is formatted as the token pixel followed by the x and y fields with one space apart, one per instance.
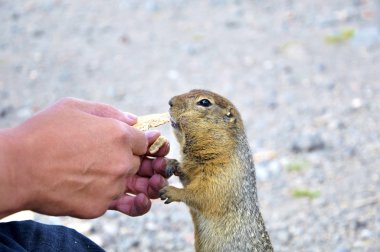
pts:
pixel 130 115
pixel 152 133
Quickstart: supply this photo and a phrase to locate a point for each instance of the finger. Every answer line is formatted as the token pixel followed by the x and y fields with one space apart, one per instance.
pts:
pixel 138 141
pixel 150 166
pixel 133 165
pixel 163 151
pixel 156 183
pixel 136 184
pixel 147 186
pixel 159 166
pixel 152 136
pixel 132 205
pixel 146 168
pixel 101 110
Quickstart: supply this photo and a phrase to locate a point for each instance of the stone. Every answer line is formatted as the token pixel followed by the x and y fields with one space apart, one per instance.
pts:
pixel 308 143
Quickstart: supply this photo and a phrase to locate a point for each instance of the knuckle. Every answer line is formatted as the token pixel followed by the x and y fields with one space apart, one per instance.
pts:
pixel 90 212
pixel 136 140
pixel 145 144
pixel 117 129
pixel 127 165
pixel 116 190
pixel 131 169
pixel 129 131
pixel 119 171
pixel 96 212
pixel 132 166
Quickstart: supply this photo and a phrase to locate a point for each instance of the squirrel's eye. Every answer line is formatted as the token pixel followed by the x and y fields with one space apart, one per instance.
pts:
pixel 204 103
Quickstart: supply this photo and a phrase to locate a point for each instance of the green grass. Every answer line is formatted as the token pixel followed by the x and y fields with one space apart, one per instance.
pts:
pixel 289 45
pixel 305 193
pixel 297 166
pixel 342 36
pixel 198 37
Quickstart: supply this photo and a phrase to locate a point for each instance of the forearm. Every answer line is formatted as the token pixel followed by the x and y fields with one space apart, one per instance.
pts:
pixel 10 190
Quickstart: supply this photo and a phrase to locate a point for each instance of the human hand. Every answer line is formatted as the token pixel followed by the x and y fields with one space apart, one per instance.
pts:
pixel 76 157
pixel 145 184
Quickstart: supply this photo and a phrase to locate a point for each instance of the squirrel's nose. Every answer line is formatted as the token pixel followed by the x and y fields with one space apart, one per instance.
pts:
pixel 171 102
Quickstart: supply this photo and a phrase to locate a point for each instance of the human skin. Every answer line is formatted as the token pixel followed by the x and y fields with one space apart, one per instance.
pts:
pixel 79 158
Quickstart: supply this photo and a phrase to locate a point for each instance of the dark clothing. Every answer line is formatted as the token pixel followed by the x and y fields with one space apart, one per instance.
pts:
pixel 22 236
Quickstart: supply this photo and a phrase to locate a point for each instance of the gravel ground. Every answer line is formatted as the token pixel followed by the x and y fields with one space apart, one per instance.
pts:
pixel 304 74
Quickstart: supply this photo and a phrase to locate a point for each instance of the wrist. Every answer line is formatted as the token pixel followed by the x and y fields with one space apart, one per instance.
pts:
pixel 12 190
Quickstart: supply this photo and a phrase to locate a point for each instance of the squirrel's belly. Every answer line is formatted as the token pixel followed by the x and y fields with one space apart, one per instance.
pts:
pixel 226 234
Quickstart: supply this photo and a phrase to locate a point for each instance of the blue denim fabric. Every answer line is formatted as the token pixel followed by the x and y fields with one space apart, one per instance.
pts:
pixel 29 235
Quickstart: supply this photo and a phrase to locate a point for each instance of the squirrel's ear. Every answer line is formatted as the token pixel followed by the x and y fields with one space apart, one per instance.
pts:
pixel 229 116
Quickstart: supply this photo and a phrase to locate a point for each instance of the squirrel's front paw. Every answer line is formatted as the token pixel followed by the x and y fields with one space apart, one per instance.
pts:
pixel 172 167
pixel 168 193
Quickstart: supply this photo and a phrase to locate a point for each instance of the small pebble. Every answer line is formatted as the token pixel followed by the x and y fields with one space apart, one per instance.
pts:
pixel 308 143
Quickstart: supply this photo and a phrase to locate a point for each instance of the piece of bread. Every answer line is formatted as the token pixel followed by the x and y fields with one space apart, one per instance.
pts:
pixel 160 141
pixel 147 122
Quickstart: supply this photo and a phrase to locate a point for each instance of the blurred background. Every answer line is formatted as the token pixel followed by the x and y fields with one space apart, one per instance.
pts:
pixel 304 74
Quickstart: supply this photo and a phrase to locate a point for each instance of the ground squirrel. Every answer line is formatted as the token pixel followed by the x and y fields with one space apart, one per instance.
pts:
pixel 217 173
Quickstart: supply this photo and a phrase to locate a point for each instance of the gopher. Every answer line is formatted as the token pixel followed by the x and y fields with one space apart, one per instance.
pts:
pixel 217 173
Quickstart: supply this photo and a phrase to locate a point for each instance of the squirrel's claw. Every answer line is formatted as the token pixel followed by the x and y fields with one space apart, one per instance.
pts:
pixel 172 167
pixel 168 201
pixel 169 171
pixel 163 195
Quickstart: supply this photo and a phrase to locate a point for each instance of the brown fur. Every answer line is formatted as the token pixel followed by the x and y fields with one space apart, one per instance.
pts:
pixel 217 173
